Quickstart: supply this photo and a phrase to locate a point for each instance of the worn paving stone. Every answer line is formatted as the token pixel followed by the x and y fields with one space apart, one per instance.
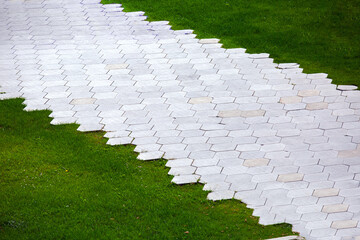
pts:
pixel 344 224
pixel 284 142
pixel 200 100
pixel 290 177
pixel 290 100
pixel 256 162
pixel 326 192
pixel 335 208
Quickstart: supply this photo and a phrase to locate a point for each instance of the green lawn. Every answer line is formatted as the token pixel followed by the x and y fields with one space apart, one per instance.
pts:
pixel 322 35
pixel 58 183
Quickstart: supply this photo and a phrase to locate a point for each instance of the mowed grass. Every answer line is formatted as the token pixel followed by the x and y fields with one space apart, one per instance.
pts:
pixel 57 183
pixel 322 35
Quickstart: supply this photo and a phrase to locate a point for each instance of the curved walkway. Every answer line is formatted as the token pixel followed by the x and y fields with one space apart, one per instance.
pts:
pixel 284 142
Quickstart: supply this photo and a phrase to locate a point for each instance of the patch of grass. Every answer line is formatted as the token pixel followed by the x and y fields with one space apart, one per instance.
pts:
pixel 323 35
pixel 57 183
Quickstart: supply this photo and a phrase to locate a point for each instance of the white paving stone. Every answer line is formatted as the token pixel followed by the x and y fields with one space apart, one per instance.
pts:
pixel 284 142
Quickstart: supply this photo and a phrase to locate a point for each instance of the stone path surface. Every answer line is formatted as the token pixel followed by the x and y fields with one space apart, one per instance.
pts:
pixel 284 142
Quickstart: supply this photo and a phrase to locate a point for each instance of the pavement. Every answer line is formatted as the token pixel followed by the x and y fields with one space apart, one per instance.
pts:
pixel 284 142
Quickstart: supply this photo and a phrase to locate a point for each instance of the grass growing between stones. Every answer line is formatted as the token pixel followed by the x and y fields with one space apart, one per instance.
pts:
pixel 323 36
pixel 57 183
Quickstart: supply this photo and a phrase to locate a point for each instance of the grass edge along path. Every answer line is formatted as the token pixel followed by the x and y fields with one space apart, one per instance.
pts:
pixel 322 36
pixel 58 183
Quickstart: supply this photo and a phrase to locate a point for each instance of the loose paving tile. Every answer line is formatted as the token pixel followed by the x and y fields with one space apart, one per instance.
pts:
pixel 284 142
